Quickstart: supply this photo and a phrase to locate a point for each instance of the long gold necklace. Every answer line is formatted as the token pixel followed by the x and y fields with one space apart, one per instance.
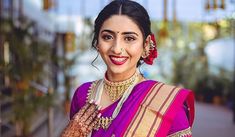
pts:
pixel 116 89
pixel 104 122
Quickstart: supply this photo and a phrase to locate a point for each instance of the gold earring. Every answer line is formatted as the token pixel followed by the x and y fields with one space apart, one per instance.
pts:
pixel 145 54
pixel 146 51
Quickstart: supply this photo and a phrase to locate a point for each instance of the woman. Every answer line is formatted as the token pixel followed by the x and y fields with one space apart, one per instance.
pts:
pixel 124 103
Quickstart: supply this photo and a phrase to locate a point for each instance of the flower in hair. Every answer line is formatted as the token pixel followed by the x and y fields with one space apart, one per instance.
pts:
pixel 152 51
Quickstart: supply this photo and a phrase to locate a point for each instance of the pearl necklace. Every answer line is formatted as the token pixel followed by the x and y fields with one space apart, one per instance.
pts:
pixel 104 122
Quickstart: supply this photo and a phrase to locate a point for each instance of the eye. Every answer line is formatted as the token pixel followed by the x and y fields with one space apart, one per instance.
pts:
pixel 107 37
pixel 129 38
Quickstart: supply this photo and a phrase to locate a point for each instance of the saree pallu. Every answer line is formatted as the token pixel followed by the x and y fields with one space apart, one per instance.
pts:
pixel 149 110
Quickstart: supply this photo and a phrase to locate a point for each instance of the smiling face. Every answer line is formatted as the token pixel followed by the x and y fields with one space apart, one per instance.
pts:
pixel 120 44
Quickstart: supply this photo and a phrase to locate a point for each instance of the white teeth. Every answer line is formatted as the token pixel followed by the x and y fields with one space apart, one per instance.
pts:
pixel 118 59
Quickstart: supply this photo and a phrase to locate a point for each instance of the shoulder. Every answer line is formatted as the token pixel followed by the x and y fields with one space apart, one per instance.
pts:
pixel 79 97
pixel 173 95
pixel 170 98
pixel 82 88
pixel 164 87
pixel 167 90
pixel 181 96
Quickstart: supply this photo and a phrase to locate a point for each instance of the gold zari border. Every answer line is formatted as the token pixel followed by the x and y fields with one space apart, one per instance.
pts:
pixel 182 133
pixel 149 117
pixel 92 90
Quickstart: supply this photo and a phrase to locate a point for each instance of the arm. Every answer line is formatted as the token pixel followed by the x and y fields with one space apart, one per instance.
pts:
pixel 79 99
pixel 82 116
pixel 180 125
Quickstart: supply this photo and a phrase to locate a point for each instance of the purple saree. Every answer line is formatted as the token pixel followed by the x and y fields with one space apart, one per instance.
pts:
pixel 130 110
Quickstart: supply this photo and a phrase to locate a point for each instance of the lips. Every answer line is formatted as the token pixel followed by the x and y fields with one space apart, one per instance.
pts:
pixel 118 60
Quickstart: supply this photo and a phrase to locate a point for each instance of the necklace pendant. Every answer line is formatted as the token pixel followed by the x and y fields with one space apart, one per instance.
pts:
pixel 108 121
pixel 104 123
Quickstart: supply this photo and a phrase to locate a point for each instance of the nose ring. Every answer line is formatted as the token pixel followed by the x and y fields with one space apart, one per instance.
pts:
pixel 122 50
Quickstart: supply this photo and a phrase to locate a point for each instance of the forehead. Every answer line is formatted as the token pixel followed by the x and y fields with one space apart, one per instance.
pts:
pixel 120 23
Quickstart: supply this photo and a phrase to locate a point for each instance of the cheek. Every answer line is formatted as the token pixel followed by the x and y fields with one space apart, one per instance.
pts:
pixel 103 46
pixel 103 49
pixel 136 51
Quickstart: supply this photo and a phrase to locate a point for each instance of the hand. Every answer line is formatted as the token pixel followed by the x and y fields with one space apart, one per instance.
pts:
pixel 83 122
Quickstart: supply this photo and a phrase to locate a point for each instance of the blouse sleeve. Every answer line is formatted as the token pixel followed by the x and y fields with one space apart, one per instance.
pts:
pixel 180 126
pixel 79 98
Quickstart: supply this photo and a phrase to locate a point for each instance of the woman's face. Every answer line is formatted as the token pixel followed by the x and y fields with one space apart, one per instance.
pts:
pixel 120 44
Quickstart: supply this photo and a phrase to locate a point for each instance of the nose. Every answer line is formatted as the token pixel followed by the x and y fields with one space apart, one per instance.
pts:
pixel 117 47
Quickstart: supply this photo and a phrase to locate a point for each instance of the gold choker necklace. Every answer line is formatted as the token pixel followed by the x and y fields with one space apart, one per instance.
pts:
pixel 116 89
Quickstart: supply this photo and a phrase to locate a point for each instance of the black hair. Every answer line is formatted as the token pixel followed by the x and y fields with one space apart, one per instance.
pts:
pixel 132 9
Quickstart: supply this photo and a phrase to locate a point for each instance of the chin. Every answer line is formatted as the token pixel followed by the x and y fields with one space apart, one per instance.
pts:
pixel 117 70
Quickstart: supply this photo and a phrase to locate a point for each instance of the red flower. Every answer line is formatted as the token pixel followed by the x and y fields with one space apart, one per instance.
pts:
pixel 152 51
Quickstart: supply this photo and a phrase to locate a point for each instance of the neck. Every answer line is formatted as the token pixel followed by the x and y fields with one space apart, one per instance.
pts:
pixel 114 77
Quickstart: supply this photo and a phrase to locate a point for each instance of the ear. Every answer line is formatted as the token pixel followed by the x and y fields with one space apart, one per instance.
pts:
pixel 97 47
pixel 146 45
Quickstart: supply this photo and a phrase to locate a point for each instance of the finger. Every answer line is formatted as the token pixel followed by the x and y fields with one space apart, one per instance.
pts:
pixel 92 117
pixel 92 108
pixel 81 112
pixel 94 123
pixel 83 130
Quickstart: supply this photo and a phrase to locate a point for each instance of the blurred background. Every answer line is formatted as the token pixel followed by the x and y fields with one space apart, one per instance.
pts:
pixel 45 54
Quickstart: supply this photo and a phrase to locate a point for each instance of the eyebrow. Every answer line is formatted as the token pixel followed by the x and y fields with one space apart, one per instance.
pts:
pixel 123 33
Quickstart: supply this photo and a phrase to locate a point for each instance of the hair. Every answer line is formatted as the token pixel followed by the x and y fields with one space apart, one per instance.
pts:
pixel 132 9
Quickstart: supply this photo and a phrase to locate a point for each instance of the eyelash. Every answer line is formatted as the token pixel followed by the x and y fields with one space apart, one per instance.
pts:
pixel 129 38
pixel 107 37
pixel 126 38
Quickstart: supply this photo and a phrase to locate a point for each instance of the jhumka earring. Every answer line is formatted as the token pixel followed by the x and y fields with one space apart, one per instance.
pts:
pixel 145 53
pixel 150 54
